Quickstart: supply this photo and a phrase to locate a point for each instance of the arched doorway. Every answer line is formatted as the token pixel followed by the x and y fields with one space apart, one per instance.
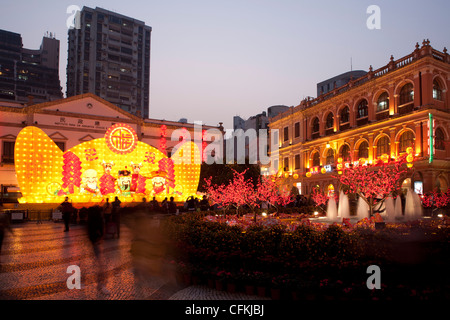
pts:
pixel 441 184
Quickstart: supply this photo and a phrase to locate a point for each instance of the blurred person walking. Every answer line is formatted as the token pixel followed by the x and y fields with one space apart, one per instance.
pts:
pixel 4 225
pixel 95 227
pixel 67 210
pixel 115 219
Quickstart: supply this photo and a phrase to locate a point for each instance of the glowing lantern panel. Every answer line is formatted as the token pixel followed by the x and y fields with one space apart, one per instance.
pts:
pixel 116 165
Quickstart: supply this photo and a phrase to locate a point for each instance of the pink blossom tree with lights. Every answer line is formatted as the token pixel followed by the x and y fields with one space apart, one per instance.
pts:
pixel 374 183
pixel 241 191
pixel 238 192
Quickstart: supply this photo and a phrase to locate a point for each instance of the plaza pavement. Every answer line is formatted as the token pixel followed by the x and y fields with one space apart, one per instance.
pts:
pixel 34 261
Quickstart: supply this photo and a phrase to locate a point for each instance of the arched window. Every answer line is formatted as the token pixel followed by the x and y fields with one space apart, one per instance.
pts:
pixel 363 110
pixel 330 156
pixel 330 121
pixel 345 153
pixel 406 94
pixel 383 146
pixel 439 139
pixel 316 159
pixel 383 102
pixel 406 140
pixel 315 125
pixel 437 90
pixel 345 115
pixel 363 150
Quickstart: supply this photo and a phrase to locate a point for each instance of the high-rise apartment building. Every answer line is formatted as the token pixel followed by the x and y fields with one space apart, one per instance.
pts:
pixel 109 55
pixel 27 74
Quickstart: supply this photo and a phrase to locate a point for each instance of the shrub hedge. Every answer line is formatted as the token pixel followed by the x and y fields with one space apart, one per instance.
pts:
pixel 309 260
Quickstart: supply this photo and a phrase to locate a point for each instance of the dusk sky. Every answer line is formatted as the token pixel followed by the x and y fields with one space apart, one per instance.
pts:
pixel 212 60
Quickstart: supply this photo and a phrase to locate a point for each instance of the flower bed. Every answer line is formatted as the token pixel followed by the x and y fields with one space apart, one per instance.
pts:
pixel 312 260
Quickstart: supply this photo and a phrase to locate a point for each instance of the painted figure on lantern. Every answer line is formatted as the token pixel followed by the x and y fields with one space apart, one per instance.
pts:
pixel 89 182
pixel 158 182
pixel 107 181
pixel 124 182
pixel 137 180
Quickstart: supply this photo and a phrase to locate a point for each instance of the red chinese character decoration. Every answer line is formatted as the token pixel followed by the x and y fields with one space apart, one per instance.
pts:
pixel 167 166
pixel 162 140
pixel 121 138
pixel 91 154
pixel 71 172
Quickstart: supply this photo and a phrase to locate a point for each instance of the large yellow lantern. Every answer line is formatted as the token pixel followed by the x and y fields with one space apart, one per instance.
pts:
pixel 116 165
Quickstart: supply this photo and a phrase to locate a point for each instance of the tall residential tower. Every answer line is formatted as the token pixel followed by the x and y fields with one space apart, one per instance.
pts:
pixel 29 75
pixel 109 55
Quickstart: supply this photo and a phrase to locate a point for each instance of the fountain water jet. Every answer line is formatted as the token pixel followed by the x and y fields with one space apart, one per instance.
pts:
pixel 390 209
pixel 332 209
pixel 413 206
pixel 344 208
pixel 398 208
pixel 362 209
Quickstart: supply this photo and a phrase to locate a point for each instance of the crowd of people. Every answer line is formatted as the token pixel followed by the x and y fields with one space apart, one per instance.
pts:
pixel 110 211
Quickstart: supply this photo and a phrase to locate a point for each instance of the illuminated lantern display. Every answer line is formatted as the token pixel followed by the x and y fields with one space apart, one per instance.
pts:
pixel 409 157
pixel 116 165
pixel 385 158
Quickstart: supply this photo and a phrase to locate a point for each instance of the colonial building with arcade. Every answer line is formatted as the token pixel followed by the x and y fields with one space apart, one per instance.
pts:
pixel 88 149
pixel 401 107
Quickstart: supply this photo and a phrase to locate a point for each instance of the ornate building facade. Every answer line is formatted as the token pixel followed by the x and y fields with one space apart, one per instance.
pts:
pixel 404 104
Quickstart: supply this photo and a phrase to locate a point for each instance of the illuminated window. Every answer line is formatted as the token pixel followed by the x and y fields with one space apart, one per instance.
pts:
pixel 383 146
pixel 406 94
pixel 8 152
pixel 330 156
pixel 363 150
pixel 345 153
pixel 345 115
pixel 315 125
pixel 383 102
pixel 363 110
pixel 406 140
pixel 330 120
pixel 297 162
pixel 286 134
pixel 297 130
pixel 316 159
pixel 437 90
pixel 439 139
pixel 286 164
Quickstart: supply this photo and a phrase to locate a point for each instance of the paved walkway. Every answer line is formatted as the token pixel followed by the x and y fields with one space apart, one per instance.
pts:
pixel 34 262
